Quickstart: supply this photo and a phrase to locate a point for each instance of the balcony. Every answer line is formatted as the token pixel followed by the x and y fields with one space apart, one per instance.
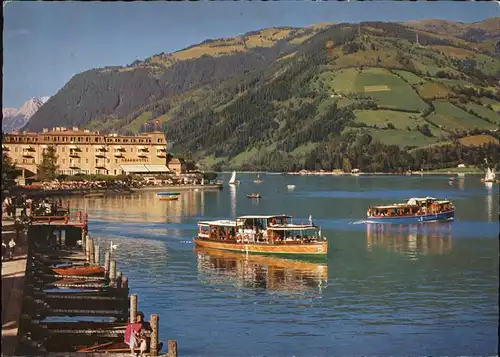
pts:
pixel 161 154
pixel 74 165
pixel 118 154
pixel 142 154
pixel 100 155
pixel 100 165
pixel 143 149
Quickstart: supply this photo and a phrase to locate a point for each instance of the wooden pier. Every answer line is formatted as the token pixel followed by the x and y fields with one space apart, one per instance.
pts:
pixel 36 287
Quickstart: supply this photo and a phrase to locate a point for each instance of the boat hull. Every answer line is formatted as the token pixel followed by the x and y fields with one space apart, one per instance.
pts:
pixel 308 249
pixel 169 198
pixel 431 217
pixel 80 271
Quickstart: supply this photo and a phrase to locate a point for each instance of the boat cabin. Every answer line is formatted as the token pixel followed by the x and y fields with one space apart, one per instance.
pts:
pixel 261 223
pixel 293 233
pixel 394 210
pixel 223 230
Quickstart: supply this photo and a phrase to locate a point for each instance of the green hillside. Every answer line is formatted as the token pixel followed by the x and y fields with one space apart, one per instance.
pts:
pixel 326 96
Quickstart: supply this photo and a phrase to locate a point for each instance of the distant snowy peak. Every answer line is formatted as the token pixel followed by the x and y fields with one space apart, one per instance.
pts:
pixel 9 112
pixel 31 106
pixel 15 119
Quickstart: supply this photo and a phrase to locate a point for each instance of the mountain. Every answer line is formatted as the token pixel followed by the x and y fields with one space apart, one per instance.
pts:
pixel 376 96
pixel 15 119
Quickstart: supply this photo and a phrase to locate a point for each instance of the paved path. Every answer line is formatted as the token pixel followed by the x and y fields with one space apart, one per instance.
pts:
pixel 13 272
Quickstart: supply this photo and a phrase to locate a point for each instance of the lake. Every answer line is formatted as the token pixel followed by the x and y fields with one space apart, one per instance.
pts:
pixel 428 289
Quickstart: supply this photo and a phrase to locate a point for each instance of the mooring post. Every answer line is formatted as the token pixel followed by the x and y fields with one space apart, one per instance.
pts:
pixel 87 248
pixel 107 258
pixel 92 252
pixel 172 348
pixel 133 308
pixel 119 279
pixel 97 254
pixel 153 345
pixel 85 236
pixel 112 272
pixel 124 283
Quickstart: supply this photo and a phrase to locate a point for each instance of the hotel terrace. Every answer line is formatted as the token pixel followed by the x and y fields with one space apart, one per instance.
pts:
pixel 86 152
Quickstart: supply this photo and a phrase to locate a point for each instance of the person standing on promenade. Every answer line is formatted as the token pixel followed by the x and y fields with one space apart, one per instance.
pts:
pixel 12 246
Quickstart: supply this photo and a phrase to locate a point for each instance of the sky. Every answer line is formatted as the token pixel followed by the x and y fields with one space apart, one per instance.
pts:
pixel 47 43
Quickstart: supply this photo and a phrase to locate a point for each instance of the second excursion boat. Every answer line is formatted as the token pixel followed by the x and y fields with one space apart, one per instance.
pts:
pixel 427 209
pixel 262 235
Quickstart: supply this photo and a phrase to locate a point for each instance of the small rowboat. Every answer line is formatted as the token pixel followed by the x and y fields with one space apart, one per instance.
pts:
pixel 169 198
pixel 80 271
pixel 291 187
pixel 254 195
pixel 161 194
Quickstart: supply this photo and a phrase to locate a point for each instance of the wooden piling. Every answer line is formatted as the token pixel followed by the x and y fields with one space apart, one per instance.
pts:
pixel 133 308
pixel 153 345
pixel 84 240
pixel 119 279
pixel 87 248
pixel 107 257
pixel 97 254
pixel 112 272
pixel 92 252
pixel 172 348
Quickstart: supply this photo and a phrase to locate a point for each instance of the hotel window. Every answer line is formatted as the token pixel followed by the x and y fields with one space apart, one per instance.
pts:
pixel 86 161
pixel 63 149
pixel 87 139
pixel 63 161
pixel 15 149
pixel 116 161
pixel 87 149
pixel 96 161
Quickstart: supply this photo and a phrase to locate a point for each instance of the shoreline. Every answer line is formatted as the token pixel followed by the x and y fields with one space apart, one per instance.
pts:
pixel 110 192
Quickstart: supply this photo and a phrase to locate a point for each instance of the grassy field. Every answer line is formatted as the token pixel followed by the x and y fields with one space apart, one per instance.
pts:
pixel 304 149
pixel 409 77
pixel 381 118
pixel 431 90
pixel 478 140
pixel 450 117
pixel 494 104
pixel 401 138
pixel 484 112
pixel 141 119
pixel 386 88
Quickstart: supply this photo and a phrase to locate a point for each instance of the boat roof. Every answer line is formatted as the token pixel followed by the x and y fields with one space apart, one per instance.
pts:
pixel 220 223
pixel 263 217
pixel 396 205
pixel 292 227
pixel 423 198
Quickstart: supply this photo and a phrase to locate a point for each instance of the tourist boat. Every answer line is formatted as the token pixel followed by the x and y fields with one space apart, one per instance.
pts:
pixel 262 235
pixel 427 209
pixel 291 187
pixel 169 198
pixel 254 195
pixel 258 179
pixel 80 270
pixel 232 180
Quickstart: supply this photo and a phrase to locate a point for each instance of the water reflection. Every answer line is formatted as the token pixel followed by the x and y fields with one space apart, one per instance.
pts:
pixel 461 183
pixel 261 272
pixel 232 192
pixel 489 200
pixel 413 239
pixel 143 207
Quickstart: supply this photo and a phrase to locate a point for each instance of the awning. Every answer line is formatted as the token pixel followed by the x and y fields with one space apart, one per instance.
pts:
pixel 157 168
pixel 134 168
pixel 118 147
pixel 100 147
pixel 73 147
pixel 145 168
pixel 161 148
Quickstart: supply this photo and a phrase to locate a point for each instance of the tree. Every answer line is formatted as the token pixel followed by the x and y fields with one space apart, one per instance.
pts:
pixel 9 172
pixel 47 170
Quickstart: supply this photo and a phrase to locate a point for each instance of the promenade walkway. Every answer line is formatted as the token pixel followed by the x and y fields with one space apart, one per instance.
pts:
pixel 13 272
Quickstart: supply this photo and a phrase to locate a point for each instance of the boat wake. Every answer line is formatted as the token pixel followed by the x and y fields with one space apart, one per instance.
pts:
pixel 358 222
